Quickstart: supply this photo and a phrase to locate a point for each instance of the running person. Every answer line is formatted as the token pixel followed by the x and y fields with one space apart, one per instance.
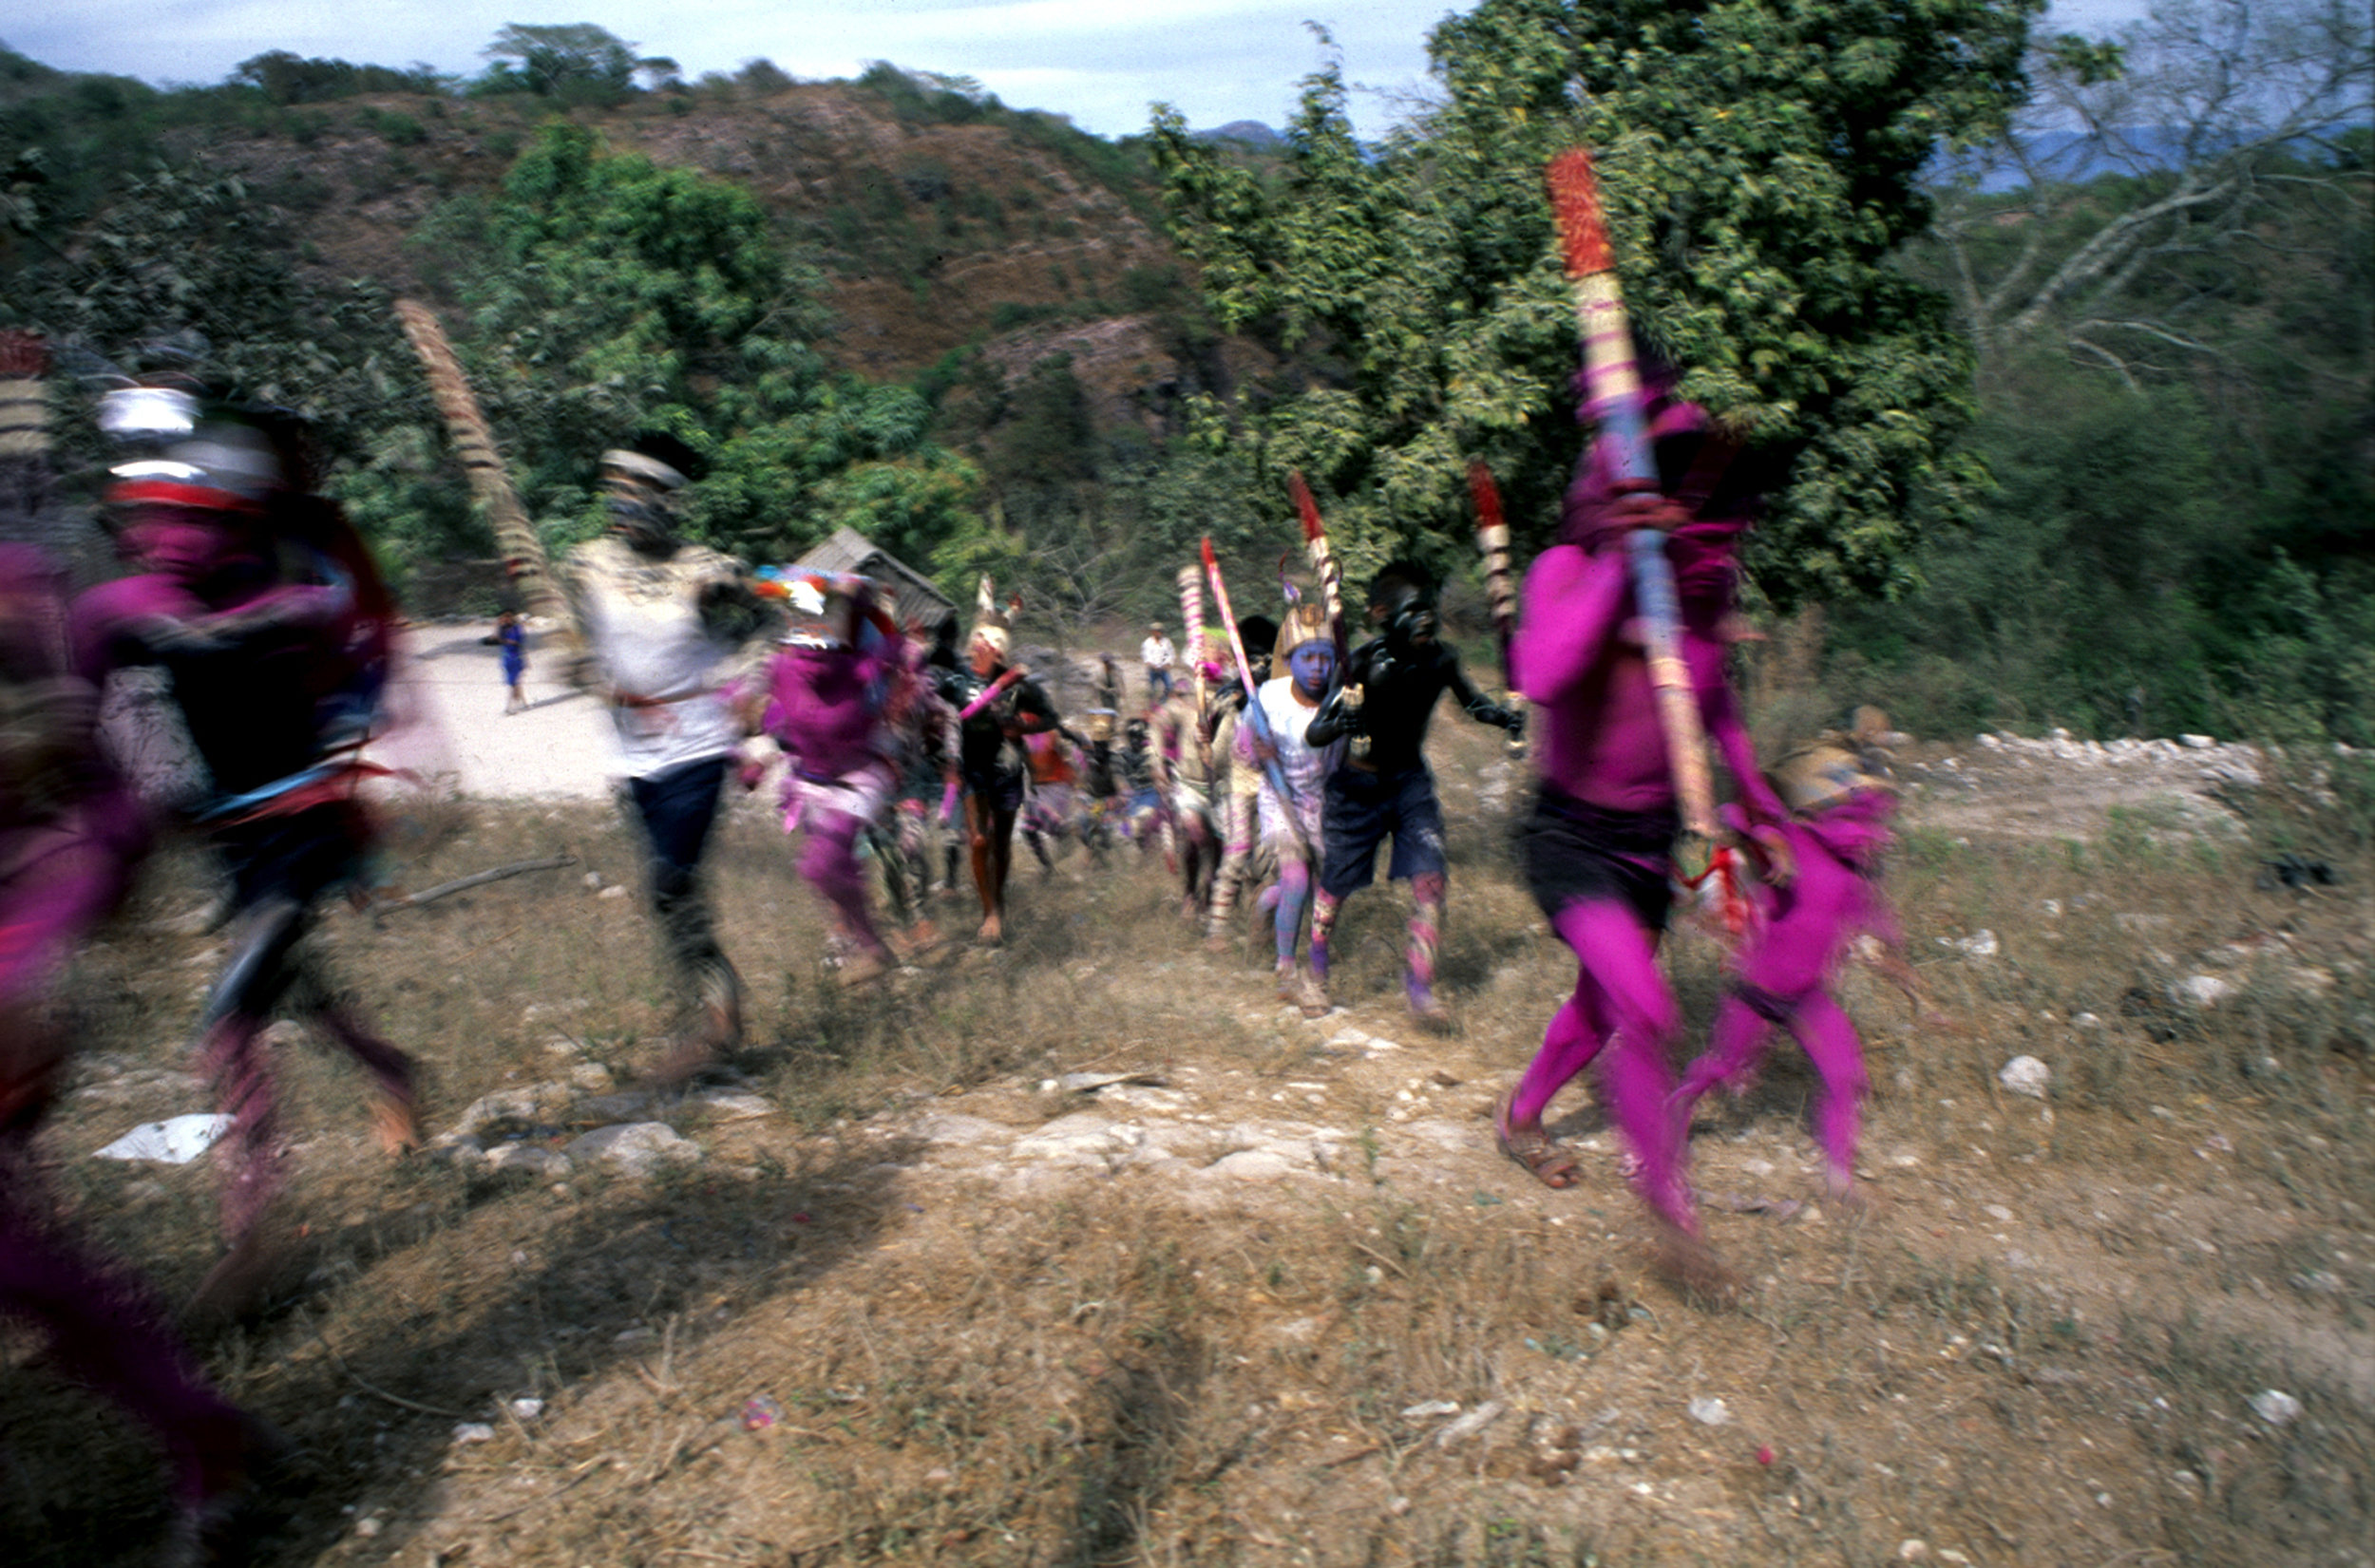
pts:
pixel 1388 694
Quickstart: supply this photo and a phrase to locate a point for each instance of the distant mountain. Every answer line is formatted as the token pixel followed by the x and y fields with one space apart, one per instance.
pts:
pixel 1253 133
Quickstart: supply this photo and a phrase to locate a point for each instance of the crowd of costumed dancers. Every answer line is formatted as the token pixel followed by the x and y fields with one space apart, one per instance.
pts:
pixel 1265 769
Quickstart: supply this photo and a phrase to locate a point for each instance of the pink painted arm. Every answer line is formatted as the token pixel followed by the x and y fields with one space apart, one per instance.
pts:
pixel 1721 713
pixel 1571 605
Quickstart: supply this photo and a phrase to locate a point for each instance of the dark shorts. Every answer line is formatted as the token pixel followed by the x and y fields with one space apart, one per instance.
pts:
pixel 1359 809
pixel 300 856
pixel 1000 789
pixel 1575 852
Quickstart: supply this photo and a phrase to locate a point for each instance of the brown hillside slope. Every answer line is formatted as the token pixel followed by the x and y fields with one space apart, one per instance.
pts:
pixel 931 236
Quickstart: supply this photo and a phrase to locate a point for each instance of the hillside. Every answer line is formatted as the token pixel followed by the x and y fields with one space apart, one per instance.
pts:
pixel 938 223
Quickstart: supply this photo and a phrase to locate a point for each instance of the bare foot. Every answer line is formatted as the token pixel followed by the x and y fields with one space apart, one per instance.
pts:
pixel 396 1127
pixel 993 931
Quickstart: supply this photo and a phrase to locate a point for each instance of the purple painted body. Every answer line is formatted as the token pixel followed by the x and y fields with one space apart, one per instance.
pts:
pixel 827 709
pixel 69 834
pixel 1833 896
pixel 1577 657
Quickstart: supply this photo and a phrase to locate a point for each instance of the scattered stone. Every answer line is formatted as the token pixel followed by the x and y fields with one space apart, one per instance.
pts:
pixel 1252 1166
pixel 525 1410
pixel 610 1108
pixel 591 1076
pixel 368 1528
pixel 1476 1421
pixel 474 1431
pixel 634 1147
pixel 1431 1410
pixel 2026 1075
pixel 2276 1407
pixel 2000 1214
pixel 2201 991
pixel 726 1104
pixel 1710 1412
pixel 1911 1550
pixel 536 1161
pixel 614 891
pixel 528 1105
pixel 2197 742
pixel 1979 945
pixel 953 1128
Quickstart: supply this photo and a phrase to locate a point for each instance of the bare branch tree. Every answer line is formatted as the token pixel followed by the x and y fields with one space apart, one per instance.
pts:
pixel 2227 114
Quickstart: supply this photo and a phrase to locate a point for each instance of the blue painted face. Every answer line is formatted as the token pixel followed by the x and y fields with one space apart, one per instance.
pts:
pixel 1313 666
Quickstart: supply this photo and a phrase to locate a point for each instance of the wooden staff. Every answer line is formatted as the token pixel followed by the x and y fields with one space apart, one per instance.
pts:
pixel 524 564
pixel 1255 718
pixel 1612 395
pixel 1322 563
pixel 1492 537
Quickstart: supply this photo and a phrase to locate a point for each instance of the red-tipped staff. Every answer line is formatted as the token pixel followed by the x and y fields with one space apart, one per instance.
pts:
pixel 1254 716
pixel 1492 537
pixel 1612 395
pixel 1322 561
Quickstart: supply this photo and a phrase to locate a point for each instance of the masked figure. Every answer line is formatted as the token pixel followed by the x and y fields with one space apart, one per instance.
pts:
pixel 270 620
pixel 1382 706
pixel 668 623
pixel 1273 735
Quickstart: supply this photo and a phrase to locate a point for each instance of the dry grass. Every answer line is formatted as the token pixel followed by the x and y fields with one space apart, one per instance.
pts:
pixel 993 1366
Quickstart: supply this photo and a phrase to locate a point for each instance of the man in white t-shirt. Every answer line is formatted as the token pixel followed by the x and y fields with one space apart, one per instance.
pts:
pixel 665 621
pixel 1156 655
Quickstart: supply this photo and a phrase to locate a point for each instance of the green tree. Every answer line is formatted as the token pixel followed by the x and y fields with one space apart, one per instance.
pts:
pixel 611 296
pixel 1762 162
pixel 574 62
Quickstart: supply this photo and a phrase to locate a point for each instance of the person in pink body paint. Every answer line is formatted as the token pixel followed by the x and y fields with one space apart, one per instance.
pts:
pixel 831 690
pixel 263 606
pixel 1597 844
pixel 71 833
pixel 1842 801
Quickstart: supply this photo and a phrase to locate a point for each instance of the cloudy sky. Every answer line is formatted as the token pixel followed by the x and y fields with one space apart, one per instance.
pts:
pixel 1101 61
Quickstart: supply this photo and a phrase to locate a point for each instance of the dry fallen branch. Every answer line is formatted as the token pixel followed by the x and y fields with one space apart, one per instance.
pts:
pixel 479 878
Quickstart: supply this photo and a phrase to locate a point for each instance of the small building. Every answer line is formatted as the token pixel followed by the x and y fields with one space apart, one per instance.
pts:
pixel 914 599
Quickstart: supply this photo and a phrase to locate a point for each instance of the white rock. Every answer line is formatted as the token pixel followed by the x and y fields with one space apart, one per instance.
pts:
pixel 2026 1075
pixel 544 1164
pixel 614 891
pixel 634 1147
pixel 474 1431
pixel 1710 1412
pixel 2198 743
pixel 1432 1409
pixel 1252 1166
pixel 591 1076
pixel 531 1103
pixel 2276 1407
pixel 1978 944
pixel 953 1128
pixel 1470 1425
pixel 525 1410
pixel 2202 991
pixel 175 1142
pixel 724 1105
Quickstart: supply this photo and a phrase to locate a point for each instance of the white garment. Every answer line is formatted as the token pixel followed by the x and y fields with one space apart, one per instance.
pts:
pixel 643 619
pixel 1155 652
pixel 1306 768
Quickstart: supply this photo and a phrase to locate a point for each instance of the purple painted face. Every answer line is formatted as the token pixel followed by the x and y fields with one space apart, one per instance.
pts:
pixel 1312 665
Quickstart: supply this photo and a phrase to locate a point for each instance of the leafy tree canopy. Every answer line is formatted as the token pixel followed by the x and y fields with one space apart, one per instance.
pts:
pixel 1762 163
pixel 615 295
pixel 574 62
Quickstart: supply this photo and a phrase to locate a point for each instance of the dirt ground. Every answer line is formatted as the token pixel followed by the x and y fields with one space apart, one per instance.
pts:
pixel 1085 1251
